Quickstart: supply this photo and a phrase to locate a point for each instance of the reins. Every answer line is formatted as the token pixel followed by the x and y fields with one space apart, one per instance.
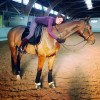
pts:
pixel 64 45
pixel 65 37
pixel 85 30
pixel 75 31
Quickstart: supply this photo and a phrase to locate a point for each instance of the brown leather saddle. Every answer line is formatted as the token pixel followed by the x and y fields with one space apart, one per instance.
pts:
pixel 36 37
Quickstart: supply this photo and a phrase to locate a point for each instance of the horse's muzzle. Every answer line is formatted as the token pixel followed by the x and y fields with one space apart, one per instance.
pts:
pixel 92 42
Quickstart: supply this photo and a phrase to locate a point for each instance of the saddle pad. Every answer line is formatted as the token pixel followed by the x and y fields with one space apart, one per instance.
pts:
pixel 36 37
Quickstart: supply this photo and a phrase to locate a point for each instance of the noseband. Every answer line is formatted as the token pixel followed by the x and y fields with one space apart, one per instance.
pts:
pixel 86 29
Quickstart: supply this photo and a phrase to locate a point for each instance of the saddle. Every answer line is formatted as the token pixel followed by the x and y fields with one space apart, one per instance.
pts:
pixel 36 37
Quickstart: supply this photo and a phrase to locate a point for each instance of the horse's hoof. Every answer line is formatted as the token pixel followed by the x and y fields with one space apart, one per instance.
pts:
pixel 18 77
pixel 38 85
pixel 52 85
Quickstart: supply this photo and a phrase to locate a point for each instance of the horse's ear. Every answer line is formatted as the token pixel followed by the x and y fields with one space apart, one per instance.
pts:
pixel 87 19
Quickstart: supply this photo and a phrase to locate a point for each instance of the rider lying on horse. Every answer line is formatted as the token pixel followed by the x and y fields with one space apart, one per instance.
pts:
pixel 47 21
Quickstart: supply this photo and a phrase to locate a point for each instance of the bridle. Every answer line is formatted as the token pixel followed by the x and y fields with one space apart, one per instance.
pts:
pixel 83 35
pixel 86 29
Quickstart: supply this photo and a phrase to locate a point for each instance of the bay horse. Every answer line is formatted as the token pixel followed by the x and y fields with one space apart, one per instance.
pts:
pixel 48 47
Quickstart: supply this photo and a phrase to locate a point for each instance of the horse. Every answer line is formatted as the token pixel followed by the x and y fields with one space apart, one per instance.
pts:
pixel 48 47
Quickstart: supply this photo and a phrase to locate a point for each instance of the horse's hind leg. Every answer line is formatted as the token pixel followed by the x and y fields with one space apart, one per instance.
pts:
pixel 50 67
pixel 15 61
pixel 18 65
pixel 41 60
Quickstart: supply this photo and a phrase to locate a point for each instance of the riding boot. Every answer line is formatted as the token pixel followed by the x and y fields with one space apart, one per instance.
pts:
pixel 22 45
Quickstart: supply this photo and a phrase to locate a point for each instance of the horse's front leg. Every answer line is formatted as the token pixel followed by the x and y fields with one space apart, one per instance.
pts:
pixel 51 60
pixel 41 60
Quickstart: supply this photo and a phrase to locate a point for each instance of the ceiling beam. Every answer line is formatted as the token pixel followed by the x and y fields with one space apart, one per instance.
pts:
pixel 85 13
pixel 62 10
pixel 53 4
pixel 9 2
pixel 3 3
pixel 28 7
pixel 69 12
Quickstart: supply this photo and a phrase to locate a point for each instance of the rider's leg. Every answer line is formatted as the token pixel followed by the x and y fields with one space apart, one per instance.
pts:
pixel 25 40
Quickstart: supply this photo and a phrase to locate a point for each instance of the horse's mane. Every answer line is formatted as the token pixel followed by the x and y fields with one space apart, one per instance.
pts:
pixel 70 22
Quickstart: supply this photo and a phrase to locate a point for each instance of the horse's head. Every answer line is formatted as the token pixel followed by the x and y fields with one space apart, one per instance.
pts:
pixel 86 32
pixel 80 26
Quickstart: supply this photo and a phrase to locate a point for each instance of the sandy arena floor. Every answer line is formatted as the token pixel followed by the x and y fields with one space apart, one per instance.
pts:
pixel 76 73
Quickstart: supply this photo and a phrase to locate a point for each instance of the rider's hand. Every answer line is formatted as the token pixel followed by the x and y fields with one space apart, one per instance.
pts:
pixel 60 40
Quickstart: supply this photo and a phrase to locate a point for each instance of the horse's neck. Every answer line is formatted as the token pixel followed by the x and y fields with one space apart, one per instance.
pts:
pixel 71 25
pixel 47 40
pixel 69 28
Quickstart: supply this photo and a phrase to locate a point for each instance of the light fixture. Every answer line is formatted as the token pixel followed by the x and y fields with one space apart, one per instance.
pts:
pixel 68 17
pixel 89 4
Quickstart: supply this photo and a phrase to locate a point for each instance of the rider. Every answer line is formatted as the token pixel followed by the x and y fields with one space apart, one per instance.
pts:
pixel 49 22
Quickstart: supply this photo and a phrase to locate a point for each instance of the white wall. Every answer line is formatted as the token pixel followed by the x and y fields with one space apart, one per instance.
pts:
pixel 14 21
pixel 3 33
pixel 95 23
pixel 18 20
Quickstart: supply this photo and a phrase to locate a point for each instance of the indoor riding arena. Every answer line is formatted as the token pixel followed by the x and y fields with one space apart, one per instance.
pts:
pixel 76 69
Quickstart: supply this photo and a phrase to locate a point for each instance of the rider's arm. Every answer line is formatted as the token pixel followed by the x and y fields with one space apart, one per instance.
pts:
pixel 50 23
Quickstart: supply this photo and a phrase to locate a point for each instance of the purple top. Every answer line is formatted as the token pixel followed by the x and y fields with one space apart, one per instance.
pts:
pixel 48 21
